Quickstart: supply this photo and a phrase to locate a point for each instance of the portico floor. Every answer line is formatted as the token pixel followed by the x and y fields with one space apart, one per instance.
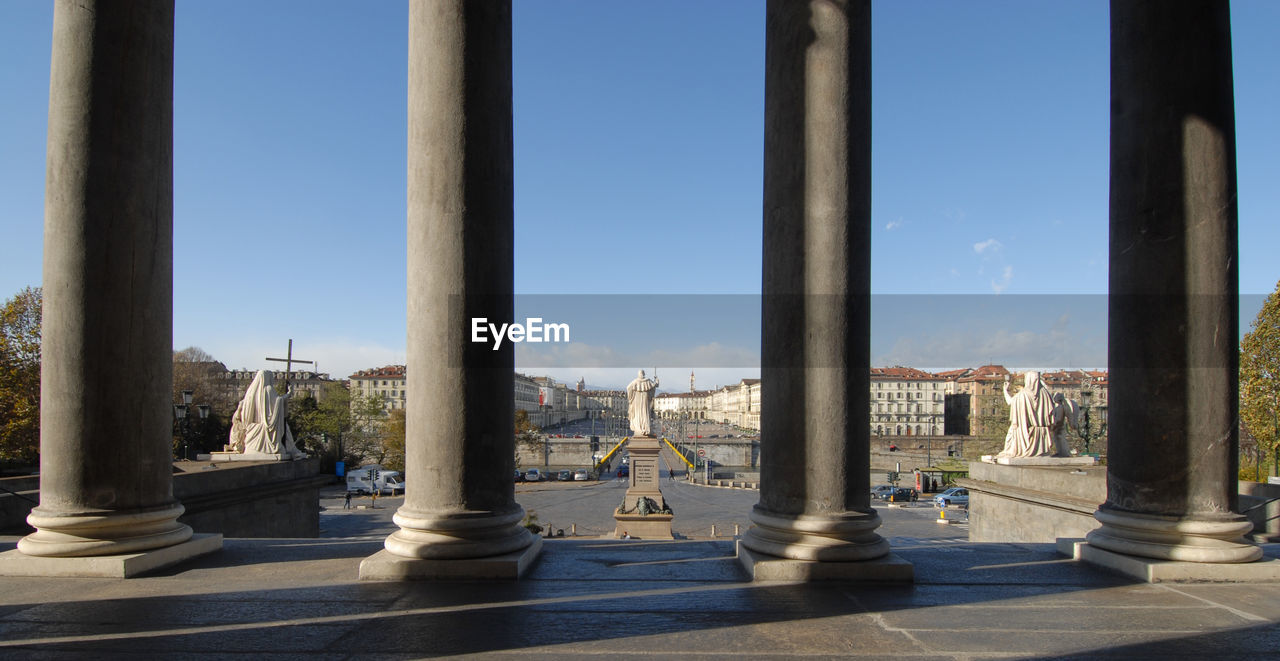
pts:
pixel 585 598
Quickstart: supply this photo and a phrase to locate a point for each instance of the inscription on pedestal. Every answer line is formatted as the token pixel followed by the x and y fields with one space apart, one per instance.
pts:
pixel 644 474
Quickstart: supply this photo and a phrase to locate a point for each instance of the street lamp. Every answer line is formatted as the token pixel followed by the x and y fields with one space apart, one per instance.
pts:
pixel 180 412
pixel 1086 396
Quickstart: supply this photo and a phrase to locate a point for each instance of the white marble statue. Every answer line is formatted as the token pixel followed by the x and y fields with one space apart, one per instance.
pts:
pixel 258 425
pixel 1031 418
pixel 640 394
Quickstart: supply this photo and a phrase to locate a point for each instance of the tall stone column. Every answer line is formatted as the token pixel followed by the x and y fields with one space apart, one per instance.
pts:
pixel 106 471
pixel 460 447
pixel 1173 330
pixel 814 484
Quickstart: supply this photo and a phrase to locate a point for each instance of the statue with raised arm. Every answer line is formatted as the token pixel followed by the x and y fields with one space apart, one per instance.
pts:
pixel 258 425
pixel 1031 418
pixel 640 394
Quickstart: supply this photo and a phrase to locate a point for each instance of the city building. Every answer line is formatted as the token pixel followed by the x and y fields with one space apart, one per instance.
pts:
pixel 907 402
pixel 386 382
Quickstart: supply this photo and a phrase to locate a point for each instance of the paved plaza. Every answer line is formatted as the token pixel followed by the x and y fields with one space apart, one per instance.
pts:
pixel 590 598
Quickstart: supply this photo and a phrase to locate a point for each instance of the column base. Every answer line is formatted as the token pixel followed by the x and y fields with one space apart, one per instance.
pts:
pixel 1151 570
pixel 888 568
pixel 387 566
pixel 652 526
pixel 1219 539
pixel 461 536
pixel 127 565
pixel 82 534
pixel 843 538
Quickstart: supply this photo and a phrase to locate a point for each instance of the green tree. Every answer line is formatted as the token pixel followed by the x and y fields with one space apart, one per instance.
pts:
pixel 393 434
pixel 528 436
pixel 20 379
pixel 1260 380
pixel 339 427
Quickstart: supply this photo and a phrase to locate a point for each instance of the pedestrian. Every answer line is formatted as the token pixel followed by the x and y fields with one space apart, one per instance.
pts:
pixel 347 505
pixel 671 473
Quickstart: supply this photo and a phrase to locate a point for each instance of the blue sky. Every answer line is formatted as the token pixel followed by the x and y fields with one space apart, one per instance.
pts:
pixel 639 151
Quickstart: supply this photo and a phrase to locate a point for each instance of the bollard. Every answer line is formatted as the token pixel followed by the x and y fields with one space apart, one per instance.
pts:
pixel 573 530
pixel 735 530
pixel 713 531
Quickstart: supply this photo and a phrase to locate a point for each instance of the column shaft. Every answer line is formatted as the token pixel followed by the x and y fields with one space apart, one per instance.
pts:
pixel 815 490
pixel 106 476
pixel 1173 329
pixel 460 500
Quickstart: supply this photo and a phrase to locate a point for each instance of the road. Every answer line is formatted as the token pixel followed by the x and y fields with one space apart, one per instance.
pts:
pixel 590 506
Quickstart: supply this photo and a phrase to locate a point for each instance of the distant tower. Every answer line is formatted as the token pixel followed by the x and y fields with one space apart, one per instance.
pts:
pixel 691 381
pixel 582 383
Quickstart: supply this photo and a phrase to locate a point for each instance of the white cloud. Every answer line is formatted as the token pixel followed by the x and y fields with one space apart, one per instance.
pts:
pixel 672 379
pixel 998 286
pixel 990 244
pixel 893 224
pixel 606 367
pixel 1058 346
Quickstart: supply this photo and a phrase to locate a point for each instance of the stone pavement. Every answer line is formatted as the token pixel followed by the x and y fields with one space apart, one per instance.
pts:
pixel 299 598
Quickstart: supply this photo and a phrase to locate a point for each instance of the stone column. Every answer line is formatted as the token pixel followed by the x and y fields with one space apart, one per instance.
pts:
pixel 814 483
pixel 106 470
pixel 460 447
pixel 1173 330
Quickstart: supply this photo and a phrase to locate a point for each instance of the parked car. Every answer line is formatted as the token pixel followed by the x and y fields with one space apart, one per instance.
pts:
pixel 581 475
pixel 952 496
pixel 624 471
pixel 899 495
pixel 565 476
pixel 519 476
pixel 879 489
pixel 532 475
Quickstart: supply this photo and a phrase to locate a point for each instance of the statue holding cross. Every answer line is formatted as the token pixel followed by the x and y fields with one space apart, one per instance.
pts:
pixel 258 427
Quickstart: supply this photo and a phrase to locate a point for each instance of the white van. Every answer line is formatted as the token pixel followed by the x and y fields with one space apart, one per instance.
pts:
pixel 385 481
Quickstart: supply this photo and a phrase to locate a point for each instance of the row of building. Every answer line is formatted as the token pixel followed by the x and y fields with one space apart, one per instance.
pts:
pixel 904 401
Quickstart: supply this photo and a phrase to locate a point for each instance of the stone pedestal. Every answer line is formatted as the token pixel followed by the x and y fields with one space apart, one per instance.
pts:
pixel 644 484
pixel 1040 461
pixel 122 565
pixel 247 456
pixel 1032 504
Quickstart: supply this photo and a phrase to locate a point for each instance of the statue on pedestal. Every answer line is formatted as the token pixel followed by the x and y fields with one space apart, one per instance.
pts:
pixel 1031 418
pixel 258 425
pixel 640 394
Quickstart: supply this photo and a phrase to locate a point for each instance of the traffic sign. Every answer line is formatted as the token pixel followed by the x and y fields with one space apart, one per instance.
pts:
pixel 702 453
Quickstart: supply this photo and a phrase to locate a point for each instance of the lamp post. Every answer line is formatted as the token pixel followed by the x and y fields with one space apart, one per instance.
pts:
pixel 181 411
pixel 1086 396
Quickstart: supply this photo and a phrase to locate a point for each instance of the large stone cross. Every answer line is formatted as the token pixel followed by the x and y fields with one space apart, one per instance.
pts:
pixel 288 361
